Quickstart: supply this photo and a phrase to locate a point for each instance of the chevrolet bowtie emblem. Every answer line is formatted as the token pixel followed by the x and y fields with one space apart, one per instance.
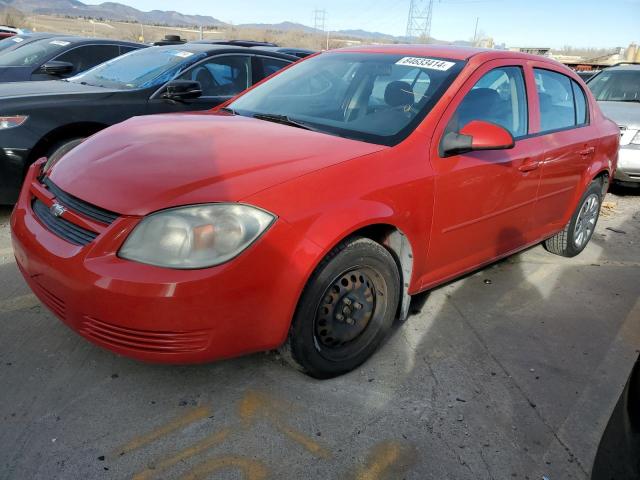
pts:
pixel 57 210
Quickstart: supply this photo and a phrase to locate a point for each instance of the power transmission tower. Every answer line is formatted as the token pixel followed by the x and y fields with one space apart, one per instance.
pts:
pixel 319 19
pixel 419 23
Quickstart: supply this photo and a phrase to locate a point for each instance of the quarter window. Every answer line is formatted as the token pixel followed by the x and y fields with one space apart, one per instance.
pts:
pixel 562 101
pixel 269 66
pixel 498 97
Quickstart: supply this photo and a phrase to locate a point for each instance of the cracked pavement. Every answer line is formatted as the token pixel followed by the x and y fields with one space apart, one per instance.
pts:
pixel 509 372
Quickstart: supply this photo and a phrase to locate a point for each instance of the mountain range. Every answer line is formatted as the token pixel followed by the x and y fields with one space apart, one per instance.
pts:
pixel 118 12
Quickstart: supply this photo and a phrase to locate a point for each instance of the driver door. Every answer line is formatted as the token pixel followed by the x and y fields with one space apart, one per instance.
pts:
pixel 221 77
pixel 484 200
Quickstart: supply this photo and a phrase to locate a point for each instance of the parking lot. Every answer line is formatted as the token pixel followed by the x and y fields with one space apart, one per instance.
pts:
pixel 511 372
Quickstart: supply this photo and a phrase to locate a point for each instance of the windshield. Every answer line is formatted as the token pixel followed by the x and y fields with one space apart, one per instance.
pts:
pixel 11 42
pixel 33 53
pixel 616 86
pixel 139 69
pixel 377 98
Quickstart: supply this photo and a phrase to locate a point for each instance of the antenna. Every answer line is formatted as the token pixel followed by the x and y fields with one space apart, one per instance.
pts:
pixel 419 23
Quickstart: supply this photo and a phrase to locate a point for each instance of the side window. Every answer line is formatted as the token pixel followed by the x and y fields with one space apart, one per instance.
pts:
pixel 557 107
pixel 581 104
pixel 223 76
pixel 269 66
pixel 498 97
pixel 88 56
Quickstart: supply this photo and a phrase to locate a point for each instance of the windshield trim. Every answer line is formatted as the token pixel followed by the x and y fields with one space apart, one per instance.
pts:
pixel 358 135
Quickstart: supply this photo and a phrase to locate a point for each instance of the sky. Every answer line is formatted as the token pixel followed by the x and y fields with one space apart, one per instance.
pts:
pixel 542 23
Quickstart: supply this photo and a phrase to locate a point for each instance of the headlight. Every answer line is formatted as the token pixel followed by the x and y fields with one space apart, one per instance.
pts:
pixel 11 122
pixel 636 140
pixel 198 236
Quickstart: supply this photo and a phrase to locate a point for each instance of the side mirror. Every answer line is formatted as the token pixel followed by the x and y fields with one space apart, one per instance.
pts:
pixel 179 90
pixel 57 68
pixel 476 135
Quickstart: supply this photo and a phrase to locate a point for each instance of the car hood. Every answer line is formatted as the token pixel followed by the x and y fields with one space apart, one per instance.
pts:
pixel 150 163
pixel 625 114
pixel 48 88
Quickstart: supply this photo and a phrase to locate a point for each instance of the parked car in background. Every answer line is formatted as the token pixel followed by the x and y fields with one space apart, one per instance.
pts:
pixel 617 90
pixel 7 31
pixel 586 75
pixel 304 213
pixel 50 118
pixel 298 52
pixel 59 57
pixel 17 41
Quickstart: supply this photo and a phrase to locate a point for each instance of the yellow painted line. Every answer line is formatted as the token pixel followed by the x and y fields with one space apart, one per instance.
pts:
pixel 251 469
pixel 18 303
pixel 183 455
pixel 383 457
pixel 192 416
pixel 307 442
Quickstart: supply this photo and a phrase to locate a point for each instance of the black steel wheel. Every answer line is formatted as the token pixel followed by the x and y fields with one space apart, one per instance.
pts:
pixel 346 309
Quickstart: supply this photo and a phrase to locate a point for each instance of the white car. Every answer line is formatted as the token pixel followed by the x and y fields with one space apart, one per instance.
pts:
pixel 617 90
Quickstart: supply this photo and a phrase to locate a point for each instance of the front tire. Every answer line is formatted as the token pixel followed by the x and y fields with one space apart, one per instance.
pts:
pixel 59 150
pixel 345 311
pixel 576 234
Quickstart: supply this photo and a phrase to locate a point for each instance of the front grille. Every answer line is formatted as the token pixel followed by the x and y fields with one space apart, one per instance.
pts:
pixel 143 340
pixel 80 206
pixel 70 232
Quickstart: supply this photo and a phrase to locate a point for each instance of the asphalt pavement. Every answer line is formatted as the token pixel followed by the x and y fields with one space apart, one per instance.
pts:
pixel 510 372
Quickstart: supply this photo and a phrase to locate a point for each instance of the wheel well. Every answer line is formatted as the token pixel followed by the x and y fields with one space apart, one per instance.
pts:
pixel 604 177
pixel 399 246
pixel 67 132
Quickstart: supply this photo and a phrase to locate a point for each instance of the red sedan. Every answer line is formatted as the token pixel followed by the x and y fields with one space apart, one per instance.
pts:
pixel 306 212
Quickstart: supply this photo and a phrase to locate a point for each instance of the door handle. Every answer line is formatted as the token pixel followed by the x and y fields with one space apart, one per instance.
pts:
pixel 529 166
pixel 587 151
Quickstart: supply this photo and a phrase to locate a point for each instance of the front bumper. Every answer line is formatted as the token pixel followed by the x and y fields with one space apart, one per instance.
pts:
pixel 628 164
pixel 157 314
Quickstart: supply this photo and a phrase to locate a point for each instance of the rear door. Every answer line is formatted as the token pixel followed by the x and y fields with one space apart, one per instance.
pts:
pixel 484 200
pixel 569 142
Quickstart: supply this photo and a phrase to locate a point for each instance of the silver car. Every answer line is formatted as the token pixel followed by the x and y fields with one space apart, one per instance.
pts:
pixel 617 90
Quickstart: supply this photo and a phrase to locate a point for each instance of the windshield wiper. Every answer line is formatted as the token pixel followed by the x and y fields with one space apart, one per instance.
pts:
pixel 635 100
pixel 229 110
pixel 282 119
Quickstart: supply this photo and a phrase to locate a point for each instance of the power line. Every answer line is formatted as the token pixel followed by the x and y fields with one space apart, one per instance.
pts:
pixel 419 22
pixel 319 20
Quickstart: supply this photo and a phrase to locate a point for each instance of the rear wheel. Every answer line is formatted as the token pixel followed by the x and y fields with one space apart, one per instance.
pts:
pixel 576 235
pixel 345 311
pixel 59 150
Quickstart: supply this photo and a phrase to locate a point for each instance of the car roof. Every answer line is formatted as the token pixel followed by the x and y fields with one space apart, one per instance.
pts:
pixel 452 52
pixel 625 66
pixel 75 40
pixel 212 48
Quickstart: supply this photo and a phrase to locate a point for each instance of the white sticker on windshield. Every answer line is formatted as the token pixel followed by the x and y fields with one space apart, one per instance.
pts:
pixel 181 54
pixel 430 63
pixel 18 39
pixel 60 43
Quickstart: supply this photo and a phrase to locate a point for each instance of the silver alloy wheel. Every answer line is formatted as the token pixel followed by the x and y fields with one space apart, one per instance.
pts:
pixel 586 221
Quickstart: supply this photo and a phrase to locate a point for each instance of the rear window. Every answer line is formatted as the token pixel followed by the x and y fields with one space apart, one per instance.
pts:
pixel 616 86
